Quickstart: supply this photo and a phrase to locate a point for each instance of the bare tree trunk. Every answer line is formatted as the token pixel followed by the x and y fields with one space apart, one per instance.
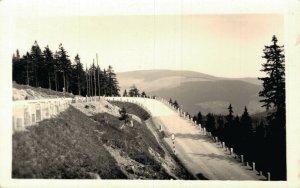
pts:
pixel 98 75
pixel 90 83
pixel 55 81
pixel 27 76
pixel 87 82
pixel 67 84
pixel 64 80
pixel 95 89
pixel 36 81
pixel 78 85
pixel 49 80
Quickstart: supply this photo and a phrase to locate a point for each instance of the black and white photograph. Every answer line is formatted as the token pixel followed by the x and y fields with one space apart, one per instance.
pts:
pixel 149 93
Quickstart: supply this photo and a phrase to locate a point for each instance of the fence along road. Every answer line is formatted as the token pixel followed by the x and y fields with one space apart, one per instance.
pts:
pixel 199 154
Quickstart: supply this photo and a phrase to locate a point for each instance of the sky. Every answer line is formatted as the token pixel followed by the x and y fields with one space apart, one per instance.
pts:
pixel 142 35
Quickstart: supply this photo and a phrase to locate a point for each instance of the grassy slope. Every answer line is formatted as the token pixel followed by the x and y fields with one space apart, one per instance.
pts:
pixel 71 146
pixel 64 147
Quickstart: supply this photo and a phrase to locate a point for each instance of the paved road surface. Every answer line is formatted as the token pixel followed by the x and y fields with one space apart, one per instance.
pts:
pixel 199 154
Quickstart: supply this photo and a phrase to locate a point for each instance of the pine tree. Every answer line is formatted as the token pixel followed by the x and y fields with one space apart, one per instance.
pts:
pixel 37 64
pixel 48 67
pixel 273 95
pixel 229 117
pixel 78 76
pixel 246 121
pixel 210 123
pixel 134 92
pixel 125 93
pixel 143 94
pixel 199 118
pixel 64 66
pixel 273 92
pixel 175 104
pixel 112 82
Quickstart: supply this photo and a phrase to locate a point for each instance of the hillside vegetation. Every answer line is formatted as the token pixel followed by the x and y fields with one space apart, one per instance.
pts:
pixel 74 145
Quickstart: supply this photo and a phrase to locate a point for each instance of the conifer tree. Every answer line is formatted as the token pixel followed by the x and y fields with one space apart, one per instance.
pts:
pixel 48 67
pixel 143 94
pixel 273 95
pixel 273 92
pixel 134 92
pixel 175 104
pixel 36 66
pixel 199 118
pixel 125 93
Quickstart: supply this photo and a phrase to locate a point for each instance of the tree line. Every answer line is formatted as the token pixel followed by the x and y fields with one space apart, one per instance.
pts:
pixel 261 139
pixel 43 68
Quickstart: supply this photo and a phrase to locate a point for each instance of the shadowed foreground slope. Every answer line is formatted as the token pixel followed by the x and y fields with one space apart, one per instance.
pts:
pixel 74 145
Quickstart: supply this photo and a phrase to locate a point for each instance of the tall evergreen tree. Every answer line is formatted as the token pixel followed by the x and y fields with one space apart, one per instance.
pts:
pixel 199 118
pixel 37 64
pixel 78 77
pixel 112 82
pixel 273 92
pixel 229 117
pixel 49 65
pixel 64 66
pixel 246 121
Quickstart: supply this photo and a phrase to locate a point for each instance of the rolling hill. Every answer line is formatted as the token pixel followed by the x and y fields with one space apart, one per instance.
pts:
pixel 197 91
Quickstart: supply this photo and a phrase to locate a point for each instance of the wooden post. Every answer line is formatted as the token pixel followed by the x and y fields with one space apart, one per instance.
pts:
pixel 173 140
pixel 269 176
pixel 231 151
pixel 223 144
pixel 242 158
pixel 253 166
pixel 98 75
pixel 247 164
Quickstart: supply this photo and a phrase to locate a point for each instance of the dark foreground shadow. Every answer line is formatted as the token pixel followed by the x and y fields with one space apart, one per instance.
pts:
pixel 201 176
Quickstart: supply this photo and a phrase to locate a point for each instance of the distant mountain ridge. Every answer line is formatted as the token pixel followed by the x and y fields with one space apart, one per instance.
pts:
pixel 196 91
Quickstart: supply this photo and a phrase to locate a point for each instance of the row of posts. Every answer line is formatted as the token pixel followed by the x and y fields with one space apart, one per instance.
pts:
pixel 204 132
pixel 223 145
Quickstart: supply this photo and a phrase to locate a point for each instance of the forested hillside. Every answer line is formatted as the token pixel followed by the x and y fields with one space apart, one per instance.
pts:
pixel 56 71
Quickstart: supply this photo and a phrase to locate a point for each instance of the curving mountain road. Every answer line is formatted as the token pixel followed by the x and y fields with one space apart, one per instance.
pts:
pixel 199 154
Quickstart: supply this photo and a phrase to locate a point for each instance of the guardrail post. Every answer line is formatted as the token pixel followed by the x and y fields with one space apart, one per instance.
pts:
pixel 253 166
pixel 242 158
pixel 231 151
pixel 269 176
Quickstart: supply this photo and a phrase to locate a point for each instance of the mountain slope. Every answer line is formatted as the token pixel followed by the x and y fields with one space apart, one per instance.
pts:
pixel 196 91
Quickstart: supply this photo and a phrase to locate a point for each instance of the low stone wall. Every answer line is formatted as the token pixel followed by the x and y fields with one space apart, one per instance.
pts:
pixel 29 112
